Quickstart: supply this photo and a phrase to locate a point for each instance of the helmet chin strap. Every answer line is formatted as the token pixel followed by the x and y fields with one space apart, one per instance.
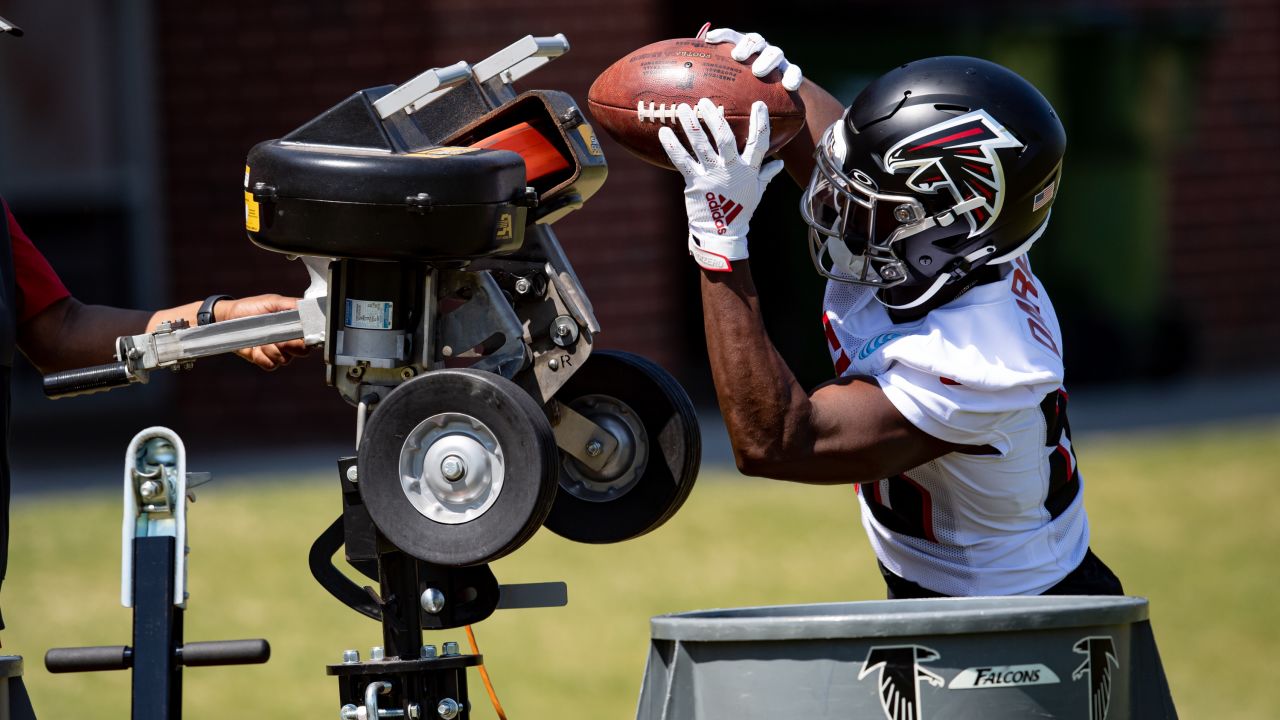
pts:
pixel 944 278
pixel 924 297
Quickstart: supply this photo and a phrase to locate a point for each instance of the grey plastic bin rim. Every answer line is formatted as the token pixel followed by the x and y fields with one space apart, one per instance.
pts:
pixel 898 618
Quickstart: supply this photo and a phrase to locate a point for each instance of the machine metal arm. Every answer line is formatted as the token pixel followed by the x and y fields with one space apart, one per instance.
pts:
pixel 177 346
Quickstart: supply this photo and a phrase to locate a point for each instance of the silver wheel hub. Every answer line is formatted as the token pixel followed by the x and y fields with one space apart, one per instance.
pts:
pixel 451 468
pixel 627 464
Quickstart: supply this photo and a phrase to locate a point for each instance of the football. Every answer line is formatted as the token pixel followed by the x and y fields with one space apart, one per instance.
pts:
pixel 638 94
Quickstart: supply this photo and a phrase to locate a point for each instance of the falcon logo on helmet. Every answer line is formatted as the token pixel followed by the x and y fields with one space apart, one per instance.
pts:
pixel 960 156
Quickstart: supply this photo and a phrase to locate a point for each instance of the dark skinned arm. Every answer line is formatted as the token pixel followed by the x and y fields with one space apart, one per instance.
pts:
pixel 70 334
pixel 821 108
pixel 845 431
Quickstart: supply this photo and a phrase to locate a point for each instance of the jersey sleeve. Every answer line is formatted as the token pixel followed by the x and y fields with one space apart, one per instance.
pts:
pixel 948 410
pixel 970 369
pixel 38 285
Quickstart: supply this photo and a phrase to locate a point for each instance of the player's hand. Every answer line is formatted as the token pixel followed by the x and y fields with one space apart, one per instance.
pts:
pixel 770 57
pixel 267 357
pixel 722 186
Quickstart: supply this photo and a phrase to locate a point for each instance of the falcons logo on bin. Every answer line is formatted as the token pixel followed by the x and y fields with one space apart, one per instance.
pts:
pixel 959 155
pixel 1100 656
pixel 899 677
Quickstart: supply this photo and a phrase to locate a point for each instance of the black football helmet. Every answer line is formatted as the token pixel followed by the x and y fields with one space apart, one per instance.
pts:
pixel 938 168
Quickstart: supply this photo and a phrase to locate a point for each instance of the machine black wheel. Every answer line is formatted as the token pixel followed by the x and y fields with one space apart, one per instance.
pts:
pixel 653 471
pixel 458 467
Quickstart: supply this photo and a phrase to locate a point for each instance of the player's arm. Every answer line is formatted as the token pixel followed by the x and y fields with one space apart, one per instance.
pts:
pixel 845 431
pixel 821 108
pixel 70 334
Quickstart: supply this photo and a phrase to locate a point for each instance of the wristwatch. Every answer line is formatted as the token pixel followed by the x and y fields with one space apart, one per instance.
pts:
pixel 205 314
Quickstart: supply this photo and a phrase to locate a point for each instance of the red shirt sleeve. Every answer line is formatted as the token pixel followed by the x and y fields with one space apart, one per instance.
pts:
pixel 38 285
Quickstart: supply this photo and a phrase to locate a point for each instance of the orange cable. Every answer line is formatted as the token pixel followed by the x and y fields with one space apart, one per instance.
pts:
pixel 484 675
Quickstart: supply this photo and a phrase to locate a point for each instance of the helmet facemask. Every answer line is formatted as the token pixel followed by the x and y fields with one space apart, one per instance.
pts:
pixel 856 232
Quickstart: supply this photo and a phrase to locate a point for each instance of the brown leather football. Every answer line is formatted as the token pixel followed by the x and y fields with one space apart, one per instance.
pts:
pixel 638 94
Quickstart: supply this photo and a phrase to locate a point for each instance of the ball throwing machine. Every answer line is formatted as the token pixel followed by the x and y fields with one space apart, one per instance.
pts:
pixel 451 319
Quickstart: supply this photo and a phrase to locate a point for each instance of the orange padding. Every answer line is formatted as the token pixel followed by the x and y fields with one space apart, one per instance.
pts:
pixel 540 157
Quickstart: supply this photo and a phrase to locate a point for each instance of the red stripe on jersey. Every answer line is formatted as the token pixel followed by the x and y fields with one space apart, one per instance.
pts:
pixel 926 508
pixel 842 363
pixel 830 332
pixel 949 381
pixel 1066 455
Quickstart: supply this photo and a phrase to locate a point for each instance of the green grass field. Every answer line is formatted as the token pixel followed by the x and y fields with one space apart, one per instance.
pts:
pixel 1189 519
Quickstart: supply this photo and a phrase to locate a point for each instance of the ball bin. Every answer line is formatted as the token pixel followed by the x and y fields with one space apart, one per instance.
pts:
pixel 987 658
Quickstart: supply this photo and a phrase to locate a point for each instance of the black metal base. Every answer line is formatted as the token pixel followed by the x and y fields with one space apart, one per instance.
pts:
pixel 418 688
pixel 404 683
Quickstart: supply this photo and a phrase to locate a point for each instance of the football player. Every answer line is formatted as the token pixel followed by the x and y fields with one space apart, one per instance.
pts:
pixel 948 411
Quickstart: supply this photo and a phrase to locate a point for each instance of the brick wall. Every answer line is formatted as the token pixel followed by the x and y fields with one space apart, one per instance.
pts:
pixel 1224 246
pixel 235 73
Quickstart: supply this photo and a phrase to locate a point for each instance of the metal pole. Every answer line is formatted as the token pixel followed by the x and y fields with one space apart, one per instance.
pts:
pixel 157 631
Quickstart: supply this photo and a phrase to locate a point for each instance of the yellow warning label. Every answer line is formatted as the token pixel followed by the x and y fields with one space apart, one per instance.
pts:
pixel 504 226
pixel 252 222
pixel 589 137
pixel 246 177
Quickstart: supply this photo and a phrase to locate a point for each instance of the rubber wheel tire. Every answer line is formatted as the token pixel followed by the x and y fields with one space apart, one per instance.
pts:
pixel 675 450
pixel 531 462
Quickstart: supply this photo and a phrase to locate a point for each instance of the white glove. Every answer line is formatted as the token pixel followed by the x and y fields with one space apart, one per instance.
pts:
pixel 722 188
pixel 770 58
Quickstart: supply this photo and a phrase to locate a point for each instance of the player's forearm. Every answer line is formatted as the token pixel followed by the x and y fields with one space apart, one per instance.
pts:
pixel 821 108
pixel 765 409
pixel 70 334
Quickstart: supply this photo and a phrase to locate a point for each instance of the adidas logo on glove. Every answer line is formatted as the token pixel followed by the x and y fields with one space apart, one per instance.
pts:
pixel 723 211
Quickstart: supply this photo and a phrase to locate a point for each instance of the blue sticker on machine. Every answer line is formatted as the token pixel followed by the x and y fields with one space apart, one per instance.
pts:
pixel 369 314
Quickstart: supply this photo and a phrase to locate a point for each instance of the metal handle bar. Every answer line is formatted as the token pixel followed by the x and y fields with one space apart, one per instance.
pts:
pixel 195 654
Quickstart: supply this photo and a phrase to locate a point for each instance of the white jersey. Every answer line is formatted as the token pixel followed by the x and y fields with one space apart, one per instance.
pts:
pixel 984 370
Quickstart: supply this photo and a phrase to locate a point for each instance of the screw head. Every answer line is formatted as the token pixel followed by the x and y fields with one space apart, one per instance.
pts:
pixel 353 473
pixel 407 373
pixel 450 648
pixel 453 468
pixel 377 653
pixel 904 213
pixel 594 448
pixel 149 489
pixel 448 709
pixel 350 657
pixel 553 363
pixel 432 601
pixel 562 330
pixel 427 652
pixel 523 286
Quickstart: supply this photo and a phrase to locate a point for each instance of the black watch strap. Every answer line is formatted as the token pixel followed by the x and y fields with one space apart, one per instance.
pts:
pixel 205 315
